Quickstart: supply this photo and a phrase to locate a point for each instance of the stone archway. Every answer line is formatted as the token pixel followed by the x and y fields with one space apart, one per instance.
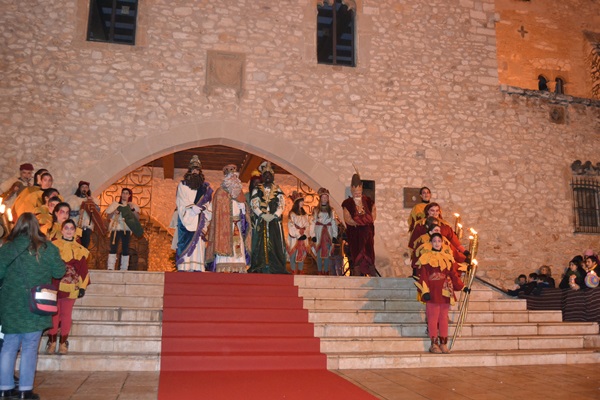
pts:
pixel 227 133
pixel 233 134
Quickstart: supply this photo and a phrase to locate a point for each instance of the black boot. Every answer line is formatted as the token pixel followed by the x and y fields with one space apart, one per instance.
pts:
pixel 28 394
pixel 9 394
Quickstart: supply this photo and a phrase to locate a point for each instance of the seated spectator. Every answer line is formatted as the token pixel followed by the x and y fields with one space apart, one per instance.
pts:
pixel 547 271
pixel 574 276
pixel 525 288
pixel 542 283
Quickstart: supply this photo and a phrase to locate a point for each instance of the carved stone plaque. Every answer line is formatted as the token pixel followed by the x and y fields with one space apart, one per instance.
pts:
pixel 412 197
pixel 557 115
pixel 225 70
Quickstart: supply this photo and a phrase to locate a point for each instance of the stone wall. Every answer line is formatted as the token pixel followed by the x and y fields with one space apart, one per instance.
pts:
pixel 546 37
pixel 422 107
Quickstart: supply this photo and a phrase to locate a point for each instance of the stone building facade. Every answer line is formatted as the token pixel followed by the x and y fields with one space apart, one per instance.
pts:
pixel 423 106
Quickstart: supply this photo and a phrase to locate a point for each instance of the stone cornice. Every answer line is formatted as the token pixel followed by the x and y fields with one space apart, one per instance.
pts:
pixel 550 97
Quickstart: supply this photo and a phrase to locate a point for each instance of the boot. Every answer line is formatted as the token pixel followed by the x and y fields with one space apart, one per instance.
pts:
pixel 51 344
pixel 64 345
pixel 124 263
pixel 112 260
pixel 27 394
pixel 9 394
pixel 435 348
pixel 444 345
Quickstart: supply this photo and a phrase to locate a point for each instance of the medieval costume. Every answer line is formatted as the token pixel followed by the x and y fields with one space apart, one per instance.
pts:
pixel 359 216
pixel 193 198
pixel 437 283
pixel 298 230
pixel 70 287
pixel 268 202
pixel 12 187
pixel 31 196
pixel 123 214
pixel 229 230
pixel 418 211
pixel 324 231
pixel 82 211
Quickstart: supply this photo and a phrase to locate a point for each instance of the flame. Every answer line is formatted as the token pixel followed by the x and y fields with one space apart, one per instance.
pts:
pixel 9 213
pixel 2 208
pixel 473 231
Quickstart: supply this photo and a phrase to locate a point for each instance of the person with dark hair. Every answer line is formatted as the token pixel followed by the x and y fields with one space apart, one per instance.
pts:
pixel 60 214
pixel 359 215
pixel 194 195
pixel 79 201
pixel 71 286
pixel 31 197
pixel 324 232
pixel 437 283
pixel 593 271
pixel 119 212
pixel 27 259
pixel 268 203
pixel 418 211
pixel 298 230
pixel 574 277
pixel 43 213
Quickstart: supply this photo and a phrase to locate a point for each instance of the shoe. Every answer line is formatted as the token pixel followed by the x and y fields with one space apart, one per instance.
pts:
pixel 435 348
pixel 444 345
pixel 9 394
pixel 51 344
pixel 27 394
pixel 64 347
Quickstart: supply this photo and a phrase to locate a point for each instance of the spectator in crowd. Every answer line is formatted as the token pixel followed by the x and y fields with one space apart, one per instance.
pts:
pixel 27 259
pixel 574 275
pixel 547 271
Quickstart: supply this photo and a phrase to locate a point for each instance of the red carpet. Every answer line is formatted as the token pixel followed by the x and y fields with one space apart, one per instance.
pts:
pixel 242 337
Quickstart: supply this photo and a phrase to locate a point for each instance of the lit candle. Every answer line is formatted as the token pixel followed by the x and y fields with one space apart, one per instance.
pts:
pixel 9 213
pixel 473 243
pixel 456 222
pixel 2 208
pixel 460 231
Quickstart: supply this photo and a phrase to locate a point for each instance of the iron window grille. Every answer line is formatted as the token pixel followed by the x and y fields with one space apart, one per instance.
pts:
pixel 586 204
pixel 335 34
pixel 112 21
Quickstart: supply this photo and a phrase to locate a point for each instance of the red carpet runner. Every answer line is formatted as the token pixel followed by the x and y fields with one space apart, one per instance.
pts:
pixel 242 337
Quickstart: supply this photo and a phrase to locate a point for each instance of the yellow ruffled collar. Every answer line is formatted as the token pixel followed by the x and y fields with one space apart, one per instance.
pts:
pixel 70 250
pixel 438 259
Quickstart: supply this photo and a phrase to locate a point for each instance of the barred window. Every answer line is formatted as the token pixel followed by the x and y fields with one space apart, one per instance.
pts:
pixel 112 21
pixel 586 204
pixel 336 32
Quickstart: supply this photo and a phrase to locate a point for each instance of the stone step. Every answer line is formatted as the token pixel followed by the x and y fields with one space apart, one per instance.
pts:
pixel 125 289
pixel 123 277
pixel 111 329
pixel 407 305
pixel 371 346
pixel 100 300
pixel 110 344
pixel 116 314
pixel 99 362
pixel 380 294
pixel 370 316
pixel 480 329
pixel 457 358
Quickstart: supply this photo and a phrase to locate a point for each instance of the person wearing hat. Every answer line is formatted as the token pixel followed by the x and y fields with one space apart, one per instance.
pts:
pixel 229 230
pixel 298 230
pixel 12 187
pixel 359 216
pixel 268 202
pixel 118 213
pixel 194 195
pixel 82 195
pixel 324 231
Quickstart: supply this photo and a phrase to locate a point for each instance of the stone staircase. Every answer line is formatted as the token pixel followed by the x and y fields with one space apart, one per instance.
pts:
pixel 362 323
pixel 376 323
pixel 117 326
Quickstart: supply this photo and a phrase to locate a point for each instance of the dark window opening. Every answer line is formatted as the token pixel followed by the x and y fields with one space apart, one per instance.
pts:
pixel 559 87
pixel 586 204
pixel 335 34
pixel 542 83
pixel 112 21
